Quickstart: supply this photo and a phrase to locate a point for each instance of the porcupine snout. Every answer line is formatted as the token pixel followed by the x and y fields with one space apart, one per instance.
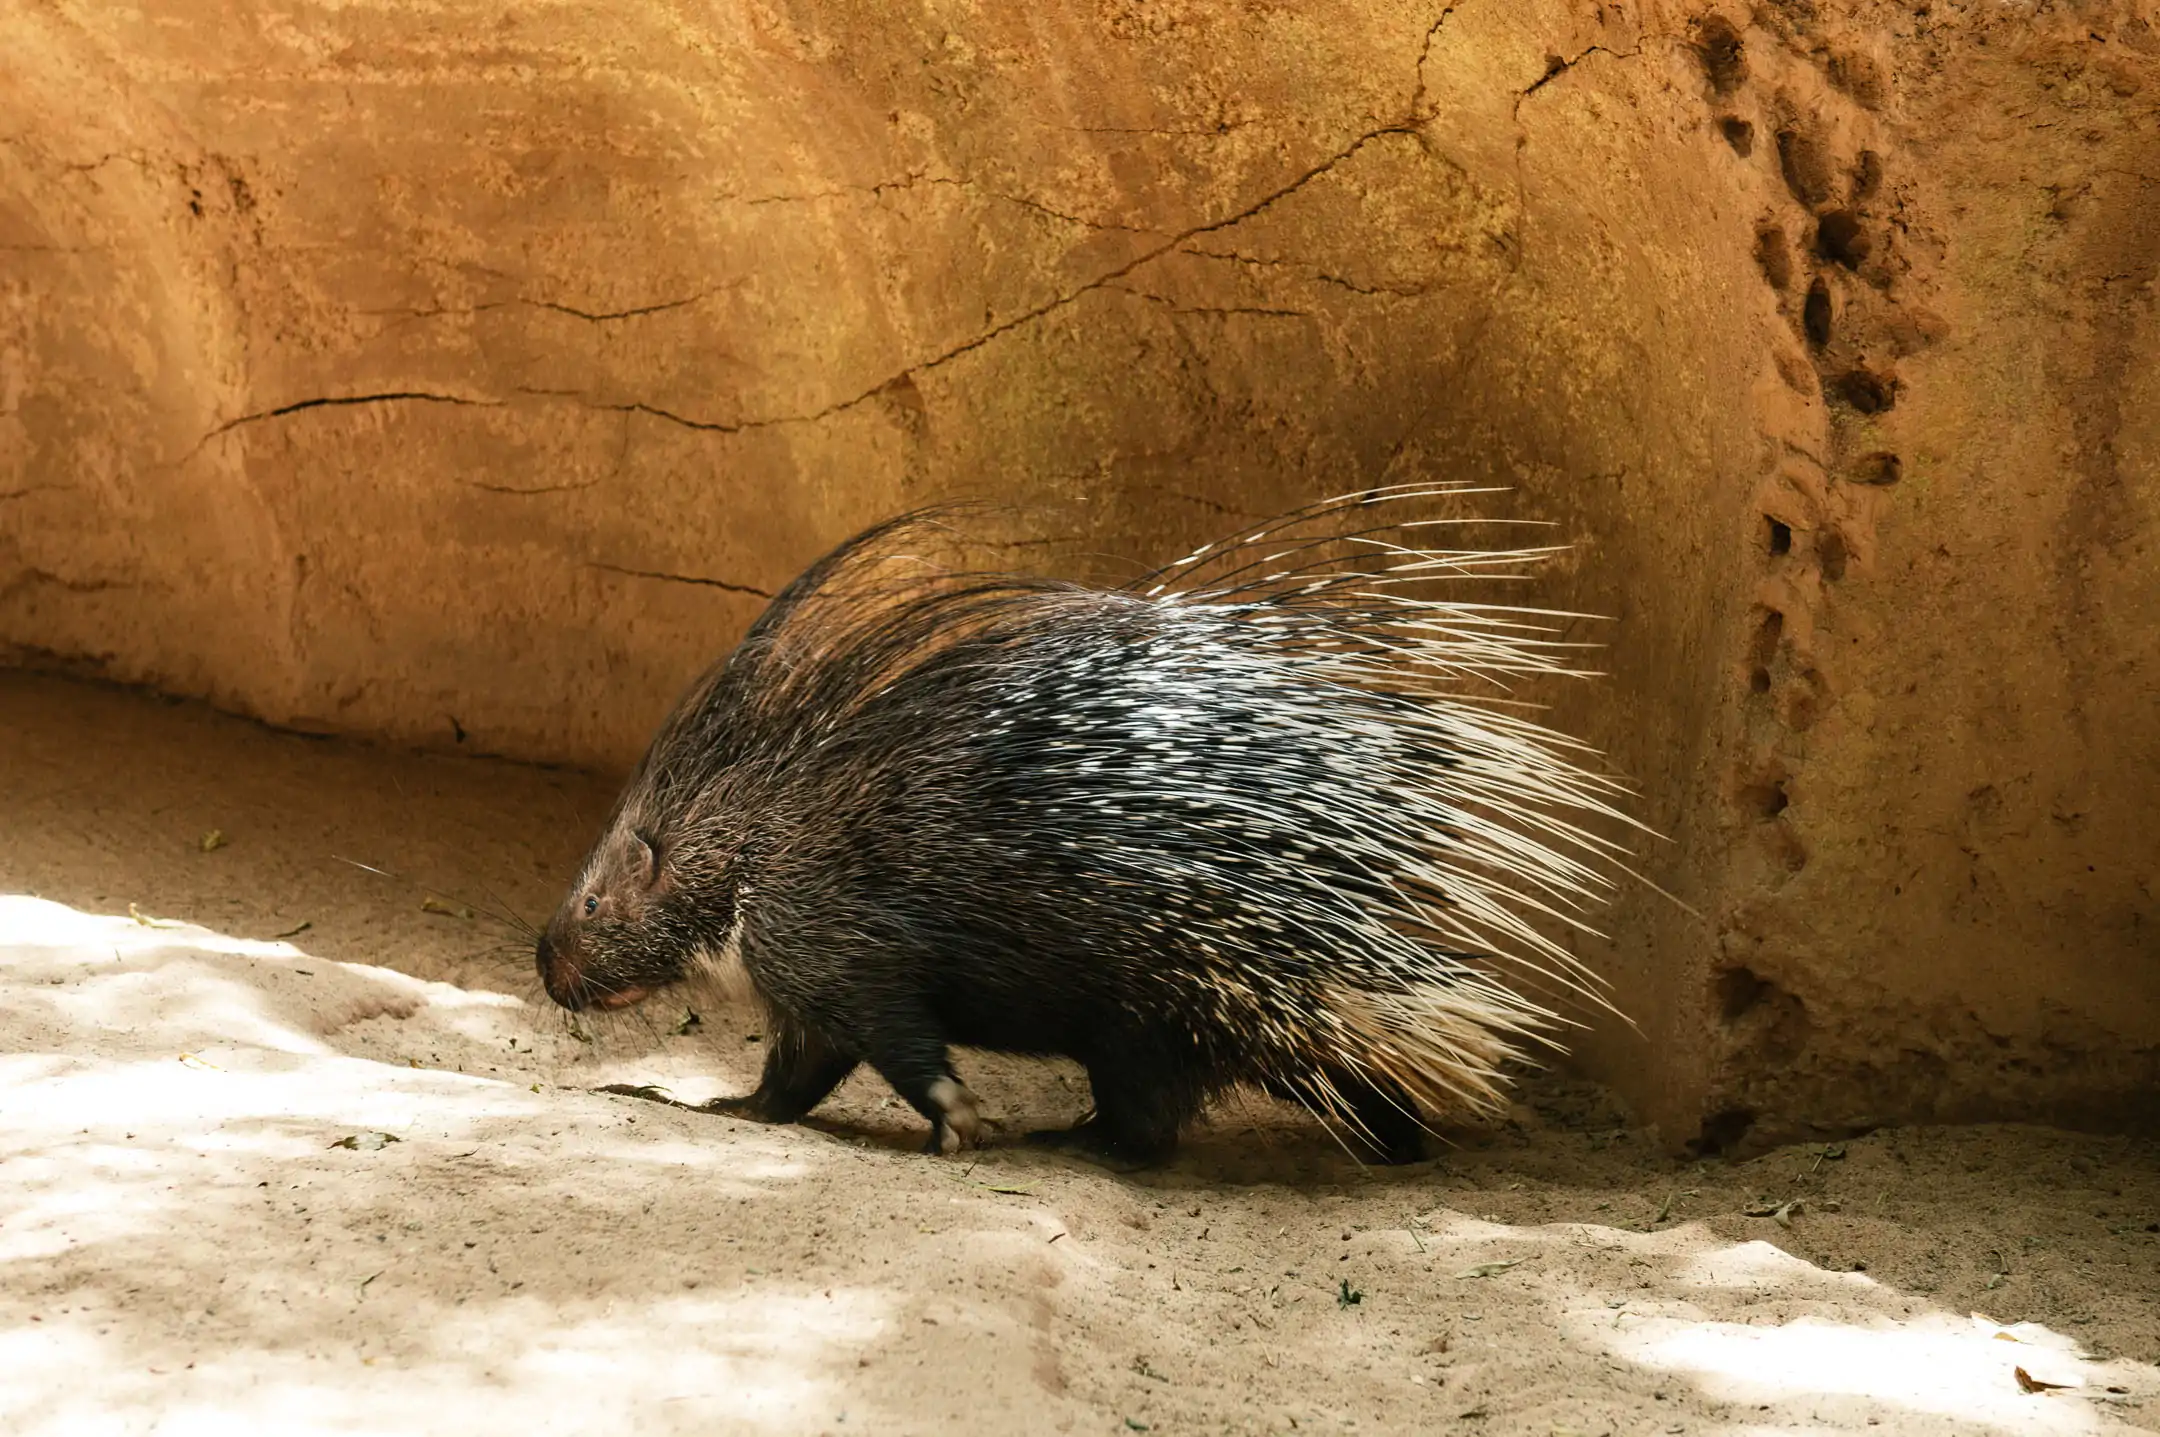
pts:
pixel 563 976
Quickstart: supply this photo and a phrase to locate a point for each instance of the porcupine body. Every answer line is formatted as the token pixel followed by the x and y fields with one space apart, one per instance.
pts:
pixel 1252 820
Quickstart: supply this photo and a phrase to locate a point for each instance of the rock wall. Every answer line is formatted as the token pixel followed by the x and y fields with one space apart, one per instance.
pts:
pixel 467 374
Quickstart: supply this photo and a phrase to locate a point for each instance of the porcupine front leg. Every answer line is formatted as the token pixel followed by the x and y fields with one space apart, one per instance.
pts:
pixel 912 1058
pixel 835 999
pixel 802 1067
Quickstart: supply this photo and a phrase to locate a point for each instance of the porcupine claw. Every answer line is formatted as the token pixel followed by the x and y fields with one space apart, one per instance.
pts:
pixel 748 1107
pixel 647 1091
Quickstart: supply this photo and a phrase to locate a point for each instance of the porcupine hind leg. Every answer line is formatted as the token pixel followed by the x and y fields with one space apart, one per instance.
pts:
pixel 1381 1116
pixel 1140 1106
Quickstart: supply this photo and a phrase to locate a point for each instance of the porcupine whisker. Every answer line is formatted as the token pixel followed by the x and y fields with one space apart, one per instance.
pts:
pixel 502 914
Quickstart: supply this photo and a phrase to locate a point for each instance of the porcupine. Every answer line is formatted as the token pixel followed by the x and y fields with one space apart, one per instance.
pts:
pixel 1256 818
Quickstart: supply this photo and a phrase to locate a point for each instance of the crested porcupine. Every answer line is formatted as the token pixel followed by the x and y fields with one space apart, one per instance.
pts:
pixel 1261 817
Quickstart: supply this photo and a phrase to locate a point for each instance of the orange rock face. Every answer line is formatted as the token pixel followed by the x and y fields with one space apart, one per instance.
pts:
pixel 465 377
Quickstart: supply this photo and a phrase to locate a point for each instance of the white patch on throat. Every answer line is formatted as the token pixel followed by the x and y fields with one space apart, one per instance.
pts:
pixel 723 966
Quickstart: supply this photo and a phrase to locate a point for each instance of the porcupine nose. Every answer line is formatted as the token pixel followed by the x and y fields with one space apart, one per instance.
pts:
pixel 558 975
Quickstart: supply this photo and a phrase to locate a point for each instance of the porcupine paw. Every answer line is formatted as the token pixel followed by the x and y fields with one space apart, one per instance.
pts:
pixel 1092 1138
pixel 651 1093
pixel 752 1107
pixel 959 1123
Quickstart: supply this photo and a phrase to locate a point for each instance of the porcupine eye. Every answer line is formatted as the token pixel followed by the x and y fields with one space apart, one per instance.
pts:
pixel 592 905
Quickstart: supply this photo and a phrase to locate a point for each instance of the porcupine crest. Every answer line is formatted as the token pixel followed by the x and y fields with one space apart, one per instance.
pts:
pixel 1272 799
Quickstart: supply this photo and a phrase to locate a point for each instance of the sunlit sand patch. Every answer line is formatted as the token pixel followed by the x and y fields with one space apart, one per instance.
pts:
pixel 758 1361
pixel 1936 1364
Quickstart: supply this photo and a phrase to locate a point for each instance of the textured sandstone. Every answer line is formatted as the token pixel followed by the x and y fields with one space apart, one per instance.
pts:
pixel 464 375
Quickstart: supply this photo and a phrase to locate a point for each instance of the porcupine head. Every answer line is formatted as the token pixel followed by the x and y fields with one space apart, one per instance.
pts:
pixel 653 905
pixel 598 949
pixel 657 901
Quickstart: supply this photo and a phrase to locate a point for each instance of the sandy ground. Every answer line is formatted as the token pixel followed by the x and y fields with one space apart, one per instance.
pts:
pixel 187 1247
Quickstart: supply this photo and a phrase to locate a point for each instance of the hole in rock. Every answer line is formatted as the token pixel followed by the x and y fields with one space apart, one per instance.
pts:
pixel 1780 535
pixel 1880 467
pixel 1806 166
pixel 1774 255
pixel 1830 554
pixel 1867 392
pixel 1722 1131
pixel 1815 313
pixel 1840 236
pixel 1739 134
pixel 1738 990
pixel 1766 798
pixel 1724 57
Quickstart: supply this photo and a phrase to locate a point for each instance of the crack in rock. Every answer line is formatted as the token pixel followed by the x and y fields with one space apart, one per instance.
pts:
pixel 960 182
pixel 639 406
pixel 1418 110
pixel 604 316
pixel 608 316
pixel 1214 310
pixel 541 489
pixel 699 580
pixel 1226 127
pixel 1556 66
pixel 1313 271
pixel 30 577
pixel 339 401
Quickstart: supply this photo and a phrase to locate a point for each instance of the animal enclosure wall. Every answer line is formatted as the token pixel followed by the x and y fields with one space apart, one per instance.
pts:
pixel 466 375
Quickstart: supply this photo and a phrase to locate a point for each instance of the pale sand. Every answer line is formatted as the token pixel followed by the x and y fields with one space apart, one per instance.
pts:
pixel 186 1251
